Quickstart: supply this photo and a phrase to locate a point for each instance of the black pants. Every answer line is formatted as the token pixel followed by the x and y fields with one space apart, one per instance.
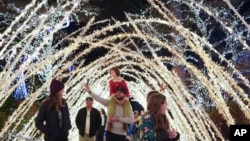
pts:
pixel 100 134
pixel 114 137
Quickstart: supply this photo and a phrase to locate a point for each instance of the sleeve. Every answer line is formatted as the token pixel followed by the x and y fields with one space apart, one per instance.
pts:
pixel 99 119
pixel 124 84
pixel 162 135
pixel 111 87
pixel 128 120
pixel 41 117
pixel 77 121
pixel 68 117
pixel 105 120
pixel 99 99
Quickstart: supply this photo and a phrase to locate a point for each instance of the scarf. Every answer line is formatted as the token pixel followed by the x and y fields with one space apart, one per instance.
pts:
pixel 111 110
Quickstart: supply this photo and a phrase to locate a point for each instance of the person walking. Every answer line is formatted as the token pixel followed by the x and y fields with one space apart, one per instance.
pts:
pixel 53 116
pixel 154 124
pixel 88 121
pixel 101 131
pixel 118 117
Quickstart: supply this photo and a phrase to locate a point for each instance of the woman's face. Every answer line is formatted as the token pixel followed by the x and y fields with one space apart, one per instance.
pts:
pixel 164 107
pixel 61 92
pixel 113 73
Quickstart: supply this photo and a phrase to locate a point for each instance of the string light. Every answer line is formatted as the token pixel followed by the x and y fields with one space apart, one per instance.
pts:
pixel 46 61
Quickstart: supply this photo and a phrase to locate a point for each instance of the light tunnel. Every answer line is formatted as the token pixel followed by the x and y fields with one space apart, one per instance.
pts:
pixel 138 48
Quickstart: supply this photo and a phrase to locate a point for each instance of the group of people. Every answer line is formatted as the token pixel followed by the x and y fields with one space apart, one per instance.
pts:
pixel 54 122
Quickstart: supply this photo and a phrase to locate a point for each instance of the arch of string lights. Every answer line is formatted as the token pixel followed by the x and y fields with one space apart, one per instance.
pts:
pixel 31 34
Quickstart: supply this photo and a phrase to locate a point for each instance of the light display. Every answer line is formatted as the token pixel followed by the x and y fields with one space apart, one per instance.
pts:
pixel 134 47
pixel 21 91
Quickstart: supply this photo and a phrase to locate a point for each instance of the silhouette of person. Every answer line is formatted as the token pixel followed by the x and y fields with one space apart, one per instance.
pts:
pixel 53 117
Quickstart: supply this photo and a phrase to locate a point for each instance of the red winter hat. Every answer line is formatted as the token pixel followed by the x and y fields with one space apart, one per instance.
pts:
pixel 56 86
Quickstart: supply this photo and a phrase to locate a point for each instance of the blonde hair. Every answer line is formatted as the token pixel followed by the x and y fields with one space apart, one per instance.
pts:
pixel 154 104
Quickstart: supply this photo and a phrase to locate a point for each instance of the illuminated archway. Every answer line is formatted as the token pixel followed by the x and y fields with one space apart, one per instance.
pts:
pixel 146 73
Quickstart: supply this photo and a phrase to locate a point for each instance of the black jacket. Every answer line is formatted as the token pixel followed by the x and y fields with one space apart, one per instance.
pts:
pixel 105 120
pixel 51 129
pixel 163 136
pixel 95 121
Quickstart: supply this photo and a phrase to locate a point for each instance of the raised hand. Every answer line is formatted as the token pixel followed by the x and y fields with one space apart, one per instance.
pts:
pixel 86 86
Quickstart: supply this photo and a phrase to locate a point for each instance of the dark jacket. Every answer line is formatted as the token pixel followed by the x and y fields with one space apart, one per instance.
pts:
pixel 51 128
pixel 162 135
pixel 95 121
pixel 105 120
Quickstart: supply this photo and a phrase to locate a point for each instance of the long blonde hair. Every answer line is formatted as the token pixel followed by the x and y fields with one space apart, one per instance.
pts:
pixel 154 104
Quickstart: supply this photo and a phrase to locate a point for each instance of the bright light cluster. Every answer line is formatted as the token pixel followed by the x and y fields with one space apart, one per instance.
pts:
pixel 31 36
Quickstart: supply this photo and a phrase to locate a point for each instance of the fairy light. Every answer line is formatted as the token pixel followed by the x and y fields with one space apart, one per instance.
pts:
pixel 189 117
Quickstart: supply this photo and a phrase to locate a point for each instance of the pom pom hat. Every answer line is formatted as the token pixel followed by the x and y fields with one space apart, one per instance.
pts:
pixel 56 86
